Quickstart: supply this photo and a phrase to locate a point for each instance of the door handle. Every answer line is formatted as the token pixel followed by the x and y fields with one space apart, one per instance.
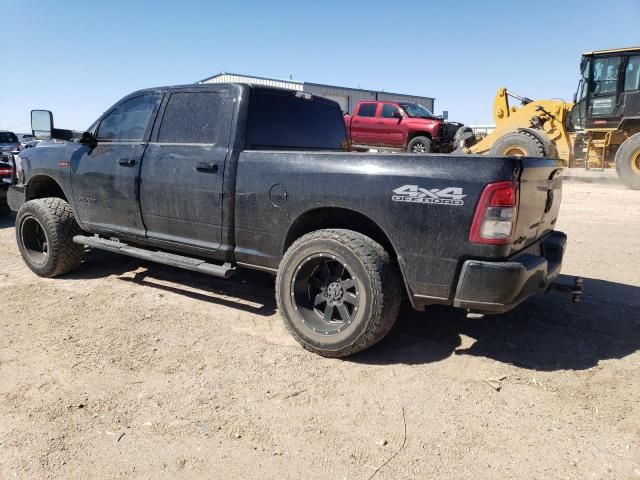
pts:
pixel 127 162
pixel 379 123
pixel 206 167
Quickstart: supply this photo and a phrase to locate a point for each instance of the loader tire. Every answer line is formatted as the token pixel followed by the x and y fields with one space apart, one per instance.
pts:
pixel 338 291
pixel 44 231
pixel 628 162
pixel 518 144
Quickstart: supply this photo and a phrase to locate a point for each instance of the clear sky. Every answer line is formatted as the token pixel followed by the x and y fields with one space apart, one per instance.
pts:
pixel 77 58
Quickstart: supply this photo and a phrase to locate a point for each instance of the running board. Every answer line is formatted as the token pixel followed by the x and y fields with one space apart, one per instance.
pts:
pixel 187 263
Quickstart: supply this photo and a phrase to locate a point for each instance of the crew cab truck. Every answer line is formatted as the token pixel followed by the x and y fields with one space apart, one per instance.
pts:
pixel 399 125
pixel 213 178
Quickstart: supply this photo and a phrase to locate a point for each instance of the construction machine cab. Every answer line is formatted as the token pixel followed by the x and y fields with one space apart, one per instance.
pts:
pixel 608 92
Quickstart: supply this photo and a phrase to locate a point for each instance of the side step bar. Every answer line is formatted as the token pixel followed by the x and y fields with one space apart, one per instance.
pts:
pixel 188 263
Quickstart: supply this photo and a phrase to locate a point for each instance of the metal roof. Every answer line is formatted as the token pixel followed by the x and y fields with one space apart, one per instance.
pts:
pixel 614 50
pixel 313 84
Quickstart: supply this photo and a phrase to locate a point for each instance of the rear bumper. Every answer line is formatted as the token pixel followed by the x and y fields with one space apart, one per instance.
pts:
pixel 496 287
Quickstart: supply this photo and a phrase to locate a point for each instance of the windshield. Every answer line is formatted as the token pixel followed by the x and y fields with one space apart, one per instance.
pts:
pixel 8 137
pixel 416 110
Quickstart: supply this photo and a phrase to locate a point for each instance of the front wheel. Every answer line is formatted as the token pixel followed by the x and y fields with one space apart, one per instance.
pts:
pixel 419 145
pixel 44 231
pixel 628 162
pixel 338 292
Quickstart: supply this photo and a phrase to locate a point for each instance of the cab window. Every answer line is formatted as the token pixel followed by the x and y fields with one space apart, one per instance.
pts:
pixel 367 109
pixel 605 75
pixel 632 74
pixel 128 122
pixel 389 110
pixel 191 117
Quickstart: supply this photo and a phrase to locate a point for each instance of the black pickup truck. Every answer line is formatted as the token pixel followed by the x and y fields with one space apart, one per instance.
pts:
pixel 212 178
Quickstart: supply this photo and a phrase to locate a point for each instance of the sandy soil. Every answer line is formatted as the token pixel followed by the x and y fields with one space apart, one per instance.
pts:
pixel 133 370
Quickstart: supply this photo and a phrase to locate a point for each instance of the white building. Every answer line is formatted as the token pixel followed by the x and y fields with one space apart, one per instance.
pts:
pixel 345 96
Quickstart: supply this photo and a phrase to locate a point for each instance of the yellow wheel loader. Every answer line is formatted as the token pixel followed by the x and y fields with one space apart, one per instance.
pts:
pixel 600 129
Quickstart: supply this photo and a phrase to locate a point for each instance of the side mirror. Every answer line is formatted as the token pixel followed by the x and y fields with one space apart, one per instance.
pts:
pixel 87 139
pixel 41 124
pixel 397 115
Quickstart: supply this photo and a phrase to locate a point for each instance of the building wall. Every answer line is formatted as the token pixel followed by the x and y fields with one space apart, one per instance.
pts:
pixel 393 97
pixel 346 97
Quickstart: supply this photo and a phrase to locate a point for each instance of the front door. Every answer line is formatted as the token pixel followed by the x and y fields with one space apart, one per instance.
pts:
pixel 389 127
pixel 105 177
pixel 183 168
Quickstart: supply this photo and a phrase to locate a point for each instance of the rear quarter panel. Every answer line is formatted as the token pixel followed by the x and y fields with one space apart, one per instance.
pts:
pixel 430 239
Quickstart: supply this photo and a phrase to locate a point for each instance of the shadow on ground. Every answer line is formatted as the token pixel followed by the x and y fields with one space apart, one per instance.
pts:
pixel 8 221
pixel 246 286
pixel 547 332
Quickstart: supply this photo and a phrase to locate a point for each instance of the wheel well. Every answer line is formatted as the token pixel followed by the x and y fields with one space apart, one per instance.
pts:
pixel 419 134
pixel 334 217
pixel 42 187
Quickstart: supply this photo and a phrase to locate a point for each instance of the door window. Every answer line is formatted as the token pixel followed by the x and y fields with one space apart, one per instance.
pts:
pixel 605 75
pixel 191 117
pixel 389 110
pixel 367 109
pixel 128 122
pixel 604 86
pixel 632 74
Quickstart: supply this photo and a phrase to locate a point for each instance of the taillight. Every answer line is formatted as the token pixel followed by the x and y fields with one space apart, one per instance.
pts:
pixel 5 171
pixel 495 217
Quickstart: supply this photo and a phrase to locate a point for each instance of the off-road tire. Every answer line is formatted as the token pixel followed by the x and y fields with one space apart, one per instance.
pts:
pixel 56 219
pixel 425 141
pixel 525 143
pixel 380 291
pixel 628 157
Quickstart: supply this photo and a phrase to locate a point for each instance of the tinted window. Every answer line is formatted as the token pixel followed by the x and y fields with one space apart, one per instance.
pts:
pixel 282 120
pixel 632 74
pixel 605 75
pixel 367 109
pixel 8 137
pixel 389 110
pixel 129 120
pixel 190 117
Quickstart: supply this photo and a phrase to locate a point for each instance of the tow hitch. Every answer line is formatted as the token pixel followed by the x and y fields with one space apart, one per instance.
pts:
pixel 575 290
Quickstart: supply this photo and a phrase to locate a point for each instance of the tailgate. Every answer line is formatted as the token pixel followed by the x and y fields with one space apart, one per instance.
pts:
pixel 539 200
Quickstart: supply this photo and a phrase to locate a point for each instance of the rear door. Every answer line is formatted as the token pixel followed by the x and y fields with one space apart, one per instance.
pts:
pixel 363 124
pixel 105 177
pixel 183 168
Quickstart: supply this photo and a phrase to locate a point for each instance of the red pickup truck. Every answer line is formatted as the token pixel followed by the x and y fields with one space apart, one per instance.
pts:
pixel 400 125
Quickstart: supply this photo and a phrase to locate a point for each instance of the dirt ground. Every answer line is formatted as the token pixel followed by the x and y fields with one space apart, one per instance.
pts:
pixel 133 370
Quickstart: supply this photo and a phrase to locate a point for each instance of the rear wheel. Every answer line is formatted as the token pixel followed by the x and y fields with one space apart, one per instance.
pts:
pixel 44 231
pixel 518 144
pixel 338 292
pixel 419 145
pixel 628 162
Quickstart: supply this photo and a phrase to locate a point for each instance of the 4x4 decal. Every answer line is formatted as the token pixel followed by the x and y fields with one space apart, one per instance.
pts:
pixel 415 194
